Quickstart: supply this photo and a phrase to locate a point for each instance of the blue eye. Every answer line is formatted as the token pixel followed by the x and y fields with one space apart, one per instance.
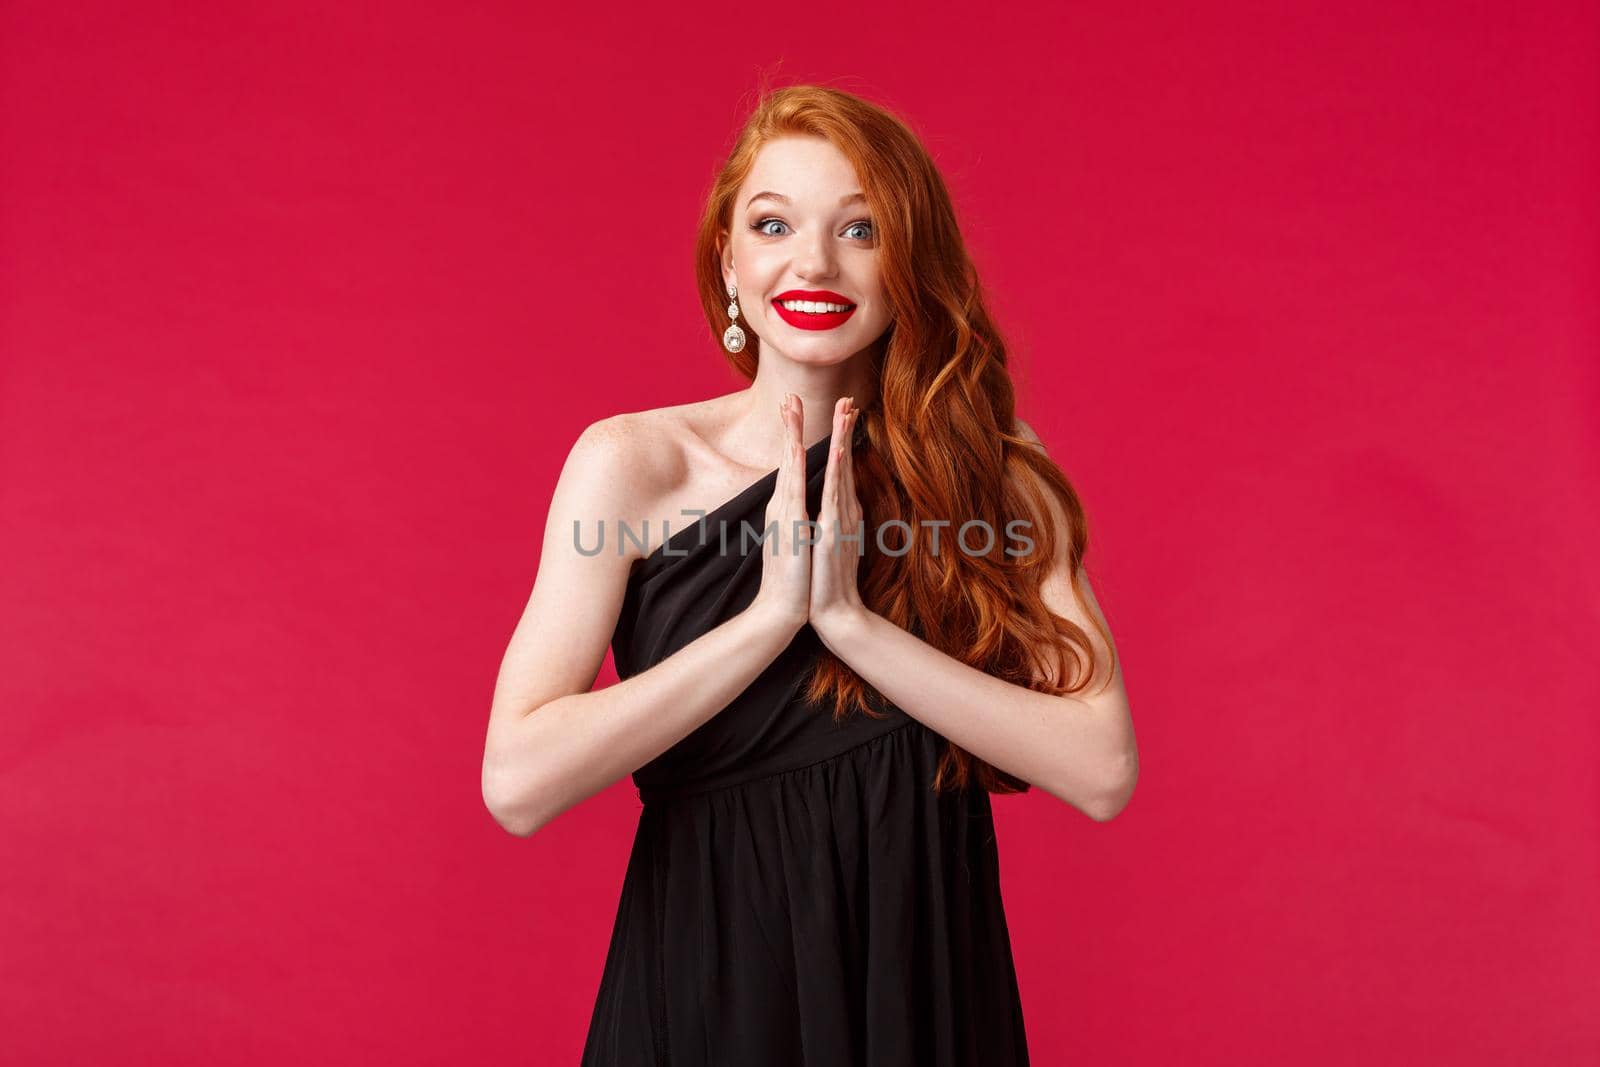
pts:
pixel 761 227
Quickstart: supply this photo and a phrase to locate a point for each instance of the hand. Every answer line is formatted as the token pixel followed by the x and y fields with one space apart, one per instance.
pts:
pixel 786 569
pixel 835 596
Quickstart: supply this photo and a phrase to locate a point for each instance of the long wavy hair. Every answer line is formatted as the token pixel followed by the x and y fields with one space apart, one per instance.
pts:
pixel 940 435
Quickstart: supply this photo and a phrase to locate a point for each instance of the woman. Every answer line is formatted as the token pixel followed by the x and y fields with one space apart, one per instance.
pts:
pixel 815 729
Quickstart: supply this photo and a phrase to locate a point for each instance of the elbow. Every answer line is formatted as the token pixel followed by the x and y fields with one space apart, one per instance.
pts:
pixel 508 805
pixel 513 822
pixel 512 819
pixel 1116 795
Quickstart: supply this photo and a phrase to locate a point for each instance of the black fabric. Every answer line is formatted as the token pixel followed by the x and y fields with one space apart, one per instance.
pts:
pixel 796 893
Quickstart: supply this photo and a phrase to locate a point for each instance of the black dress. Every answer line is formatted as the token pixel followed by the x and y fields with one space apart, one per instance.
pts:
pixel 796 893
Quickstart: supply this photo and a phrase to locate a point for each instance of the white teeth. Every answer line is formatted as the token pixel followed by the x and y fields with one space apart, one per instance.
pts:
pixel 812 307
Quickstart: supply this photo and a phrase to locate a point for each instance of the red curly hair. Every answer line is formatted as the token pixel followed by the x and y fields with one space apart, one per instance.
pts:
pixel 941 433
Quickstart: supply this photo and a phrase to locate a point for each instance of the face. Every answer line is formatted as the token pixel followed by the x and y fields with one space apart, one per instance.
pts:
pixel 805 257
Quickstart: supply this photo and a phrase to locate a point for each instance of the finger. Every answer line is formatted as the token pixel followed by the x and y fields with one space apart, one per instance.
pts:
pixel 830 484
pixel 795 513
pixel 852 503
pixel 782 505
pixel 832 502
pixel 797 454
pixel 848 473
pixel 848 505
pixel 834 434
pixel 850 443
pixel 797 428
pixel 781 488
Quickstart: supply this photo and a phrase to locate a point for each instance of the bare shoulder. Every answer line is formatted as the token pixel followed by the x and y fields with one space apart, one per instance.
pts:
pixel 656 433
pixel 1035 486
pixel 639 466
pixel 606 463
pixel 1057 587
pixel 1026 431
pixel 615 471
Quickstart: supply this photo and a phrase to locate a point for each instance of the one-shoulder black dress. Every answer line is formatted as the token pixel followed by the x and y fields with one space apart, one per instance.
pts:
pixel 796 894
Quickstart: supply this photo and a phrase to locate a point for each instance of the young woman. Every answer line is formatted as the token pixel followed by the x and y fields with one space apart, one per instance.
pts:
pixel 815 724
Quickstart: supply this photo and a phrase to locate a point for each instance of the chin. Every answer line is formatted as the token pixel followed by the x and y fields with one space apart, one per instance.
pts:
pixel 822 355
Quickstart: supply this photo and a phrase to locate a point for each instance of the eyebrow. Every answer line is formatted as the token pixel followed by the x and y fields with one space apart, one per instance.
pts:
pixel 780 198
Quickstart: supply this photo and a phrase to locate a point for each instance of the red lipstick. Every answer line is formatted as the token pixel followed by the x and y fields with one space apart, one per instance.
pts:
pixel 806 320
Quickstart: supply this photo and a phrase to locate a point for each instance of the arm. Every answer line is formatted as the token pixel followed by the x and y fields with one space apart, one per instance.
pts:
pixel 1078 748
pixel 551 742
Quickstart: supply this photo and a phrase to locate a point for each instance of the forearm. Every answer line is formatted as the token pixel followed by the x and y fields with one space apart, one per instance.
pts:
pixel 571 748
pixel 1068 747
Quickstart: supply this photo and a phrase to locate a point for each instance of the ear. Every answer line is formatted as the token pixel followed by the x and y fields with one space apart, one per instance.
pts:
pixel 725 254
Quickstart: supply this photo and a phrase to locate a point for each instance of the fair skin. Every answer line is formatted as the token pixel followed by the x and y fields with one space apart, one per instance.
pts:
pixel 552 742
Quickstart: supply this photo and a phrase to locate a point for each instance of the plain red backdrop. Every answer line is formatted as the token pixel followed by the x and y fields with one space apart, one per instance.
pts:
pixel 301 307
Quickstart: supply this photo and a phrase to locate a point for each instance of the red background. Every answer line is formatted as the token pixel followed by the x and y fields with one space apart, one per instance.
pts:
pixel 301 307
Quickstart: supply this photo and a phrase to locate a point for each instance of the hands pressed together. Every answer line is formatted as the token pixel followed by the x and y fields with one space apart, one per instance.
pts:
pixel 815 584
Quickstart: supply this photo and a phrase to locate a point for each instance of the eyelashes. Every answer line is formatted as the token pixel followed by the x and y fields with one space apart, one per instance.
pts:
pixel 760 227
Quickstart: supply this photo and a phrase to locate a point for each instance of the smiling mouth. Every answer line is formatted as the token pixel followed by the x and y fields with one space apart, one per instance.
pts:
pixel 814 315
pixel 814 307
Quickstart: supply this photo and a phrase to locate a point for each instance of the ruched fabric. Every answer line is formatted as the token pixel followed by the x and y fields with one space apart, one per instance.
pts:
pixel 796 894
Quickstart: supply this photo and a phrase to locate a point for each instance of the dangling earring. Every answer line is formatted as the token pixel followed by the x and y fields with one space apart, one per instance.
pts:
pixel 733 337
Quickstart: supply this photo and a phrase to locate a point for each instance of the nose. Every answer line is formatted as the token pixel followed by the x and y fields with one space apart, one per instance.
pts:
pixel 817 258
